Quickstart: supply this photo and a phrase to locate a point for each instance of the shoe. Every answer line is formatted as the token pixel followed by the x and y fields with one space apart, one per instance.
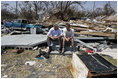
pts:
pixel 46 55
pixel 38 56
pixel 40 53
pixel 50 48
pixel 63 50
pixel 72 50
pixel 60 51
pixel 63 54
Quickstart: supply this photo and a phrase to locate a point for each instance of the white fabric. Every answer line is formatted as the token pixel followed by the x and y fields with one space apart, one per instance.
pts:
pixel 68 34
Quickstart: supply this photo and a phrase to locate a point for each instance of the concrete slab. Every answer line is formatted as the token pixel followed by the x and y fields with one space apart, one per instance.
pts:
pixel 68 48
pixel 23 40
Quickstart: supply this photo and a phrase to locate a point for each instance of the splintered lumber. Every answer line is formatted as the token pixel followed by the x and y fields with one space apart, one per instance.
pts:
pixel 95 38
pixel 88 46
pixel 78 68
pixel 92 66
pixel 79 25
pixel 97 28
pixel 95 33
pixel 79 28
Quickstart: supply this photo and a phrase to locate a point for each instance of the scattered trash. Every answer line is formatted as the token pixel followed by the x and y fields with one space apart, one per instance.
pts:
pixel 35 48
pixel 40 65
pixel 46 55
pixel 78 25
pixel 42 53
pixel 30 63
pixel 18 51
pixel 49 61
pixel 95 29
pixel 3 65
pixel 5 76
pixel 14 51
pixel 3 51
pixel 40 58
pixel 89 51
pixel 98 49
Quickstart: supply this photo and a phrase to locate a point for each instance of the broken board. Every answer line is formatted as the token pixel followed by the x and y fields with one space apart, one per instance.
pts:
pixel 93 66
pixel 96 33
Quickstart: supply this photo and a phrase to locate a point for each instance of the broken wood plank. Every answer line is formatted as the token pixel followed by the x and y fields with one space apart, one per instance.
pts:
pixel 79 28
pixel 95 38
pixel 92 66
pixel 78 68
pixel 88 46
pixel 95 33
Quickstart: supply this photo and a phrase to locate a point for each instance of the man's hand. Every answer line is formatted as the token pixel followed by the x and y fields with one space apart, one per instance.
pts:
pixel 67 39
pixel 54 38
pixel 70 38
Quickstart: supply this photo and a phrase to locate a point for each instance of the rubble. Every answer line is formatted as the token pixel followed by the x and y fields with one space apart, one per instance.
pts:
pixel 91 36
pixel 111 18
pixel 5 76
pixel 52 67
pixel 96 34
pixel 81 42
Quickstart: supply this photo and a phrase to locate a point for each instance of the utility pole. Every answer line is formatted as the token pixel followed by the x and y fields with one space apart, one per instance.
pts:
pixel 93 9
pixel 16 7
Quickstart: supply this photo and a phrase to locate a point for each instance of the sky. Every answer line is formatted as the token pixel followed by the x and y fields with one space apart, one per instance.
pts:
pixel 88 5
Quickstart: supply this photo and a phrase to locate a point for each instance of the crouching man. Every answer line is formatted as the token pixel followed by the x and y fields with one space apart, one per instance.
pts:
pixel 54 33
pixel 68 33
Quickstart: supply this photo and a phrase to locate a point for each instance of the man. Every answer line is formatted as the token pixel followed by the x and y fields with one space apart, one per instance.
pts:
pixel 54 33
pixel 68 33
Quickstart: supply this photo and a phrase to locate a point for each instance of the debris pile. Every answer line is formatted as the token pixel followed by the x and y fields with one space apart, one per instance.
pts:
pixel 25 51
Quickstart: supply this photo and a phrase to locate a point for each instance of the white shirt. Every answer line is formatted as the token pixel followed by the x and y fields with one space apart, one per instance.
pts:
pixel 54 33
pixel 68 34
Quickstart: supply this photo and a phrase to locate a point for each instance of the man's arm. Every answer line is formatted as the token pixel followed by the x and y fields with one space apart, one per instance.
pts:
pixel 64 33
pixel 72 34
pixel 67 39
pixel 49 36
pixel 59 36
pixel 71 37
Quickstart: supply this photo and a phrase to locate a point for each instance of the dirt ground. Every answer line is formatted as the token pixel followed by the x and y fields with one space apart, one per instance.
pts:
pixel 13 65
pixel 57 66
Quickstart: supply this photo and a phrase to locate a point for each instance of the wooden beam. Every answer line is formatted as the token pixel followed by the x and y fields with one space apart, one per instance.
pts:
pixel 95 38
pixel 79 28
pixel 86 45
pixel 96 33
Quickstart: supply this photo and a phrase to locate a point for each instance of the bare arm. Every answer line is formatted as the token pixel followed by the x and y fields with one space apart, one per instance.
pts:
pixel 67 39
pixel 59 36
pixel 50 36
pixel 71 37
